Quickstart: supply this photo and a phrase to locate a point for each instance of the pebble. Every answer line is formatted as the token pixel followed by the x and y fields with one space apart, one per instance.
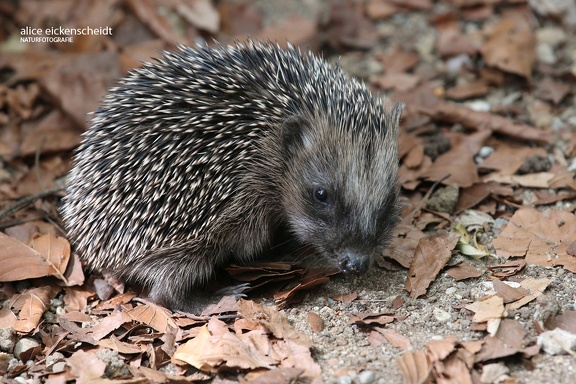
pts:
pixel 545 53
pixel 6 339
pixel 485 151
pixel 366 377
pixel 23 345
pixel 552 36
pixel 479 105
pixel 557 341
pixel 441 315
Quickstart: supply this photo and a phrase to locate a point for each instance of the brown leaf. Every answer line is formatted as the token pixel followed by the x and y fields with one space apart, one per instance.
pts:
pixel 430 257
pixel 404 244
pixel 19 261
pixel 415 367
pixel 215 345
pixel 347 298
pixel 535 288
pixel 395 338
pixel 315 322
pixel 468 91
pixel 566 321
pixel 440 349
pixel 7 317
pixel 273 320
pixel 507 341
pixel 298 30
pixel 466 173
pixel 481 121
pixel 508 269
pixel 398 60
pixel 537 235
pixel 226 304
pixel 554 91
pixel 463 271
pixel 363 318
pixel 153 315
pixel 508 293
pixel 103 328
pixel 476 193
pixel 277 376
pixel 85 366
pixel 116 345
pixel 511 45
pixel 33 304
pixel 487 308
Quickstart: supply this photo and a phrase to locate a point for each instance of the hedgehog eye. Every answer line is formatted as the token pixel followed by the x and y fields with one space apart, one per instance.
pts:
pixel 321 195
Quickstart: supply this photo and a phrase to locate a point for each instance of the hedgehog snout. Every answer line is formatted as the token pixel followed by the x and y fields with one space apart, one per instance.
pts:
pixel 351 262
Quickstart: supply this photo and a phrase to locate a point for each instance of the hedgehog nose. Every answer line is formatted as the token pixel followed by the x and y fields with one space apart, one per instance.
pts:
pixel 351 262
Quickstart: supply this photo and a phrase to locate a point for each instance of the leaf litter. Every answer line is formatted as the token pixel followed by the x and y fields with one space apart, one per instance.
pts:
pixel 489 113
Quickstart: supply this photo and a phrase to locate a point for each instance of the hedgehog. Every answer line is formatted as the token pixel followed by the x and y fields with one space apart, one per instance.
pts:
pixel 197 160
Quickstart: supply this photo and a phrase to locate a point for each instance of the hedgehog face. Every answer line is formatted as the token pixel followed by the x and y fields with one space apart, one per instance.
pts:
pixel 341 189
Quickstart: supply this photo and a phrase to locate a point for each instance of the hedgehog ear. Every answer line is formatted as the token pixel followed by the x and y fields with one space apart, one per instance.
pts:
pixel 293 135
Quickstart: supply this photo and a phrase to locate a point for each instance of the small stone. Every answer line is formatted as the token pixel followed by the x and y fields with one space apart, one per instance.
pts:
pixel 26 348
pixel 557 342
pixel 6 339
pixel 493 373
pixel 545 53
pixel 441 315
pixel 54 358
pixel 553 36
pixel 485 151
pixel 366 377
pixel 59 367
pixel 444 199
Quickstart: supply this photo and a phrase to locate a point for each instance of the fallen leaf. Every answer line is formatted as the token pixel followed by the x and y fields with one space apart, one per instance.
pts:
pixel 371 318
pixel 415 367
pixel 487 308
pixel 542 237
pixel 463 271
pixel 430 257
pixel 33 303
pixel 19 261
pixel 511 45
pixel 438 350
pixel 85 366
pixel 395 338
pixel 507 269
pixel 565 321
pixel 208 350
pixel 153 315
pixel 508 293
pixel 347 298
pixel 315 322
pixel 535 287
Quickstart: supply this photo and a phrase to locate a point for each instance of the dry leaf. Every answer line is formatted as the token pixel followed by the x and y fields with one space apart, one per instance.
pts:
pixel 48 256
pixel 85 366
pixel 430 257
pixel 153 315
pixel 542 237
pixel 33 303
pixel 487 308
pixel 371 318
pixel 508 293
pixel 415 367
pixel 511 45
pixel 463 271
pixel 395 338
pixel 315 322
